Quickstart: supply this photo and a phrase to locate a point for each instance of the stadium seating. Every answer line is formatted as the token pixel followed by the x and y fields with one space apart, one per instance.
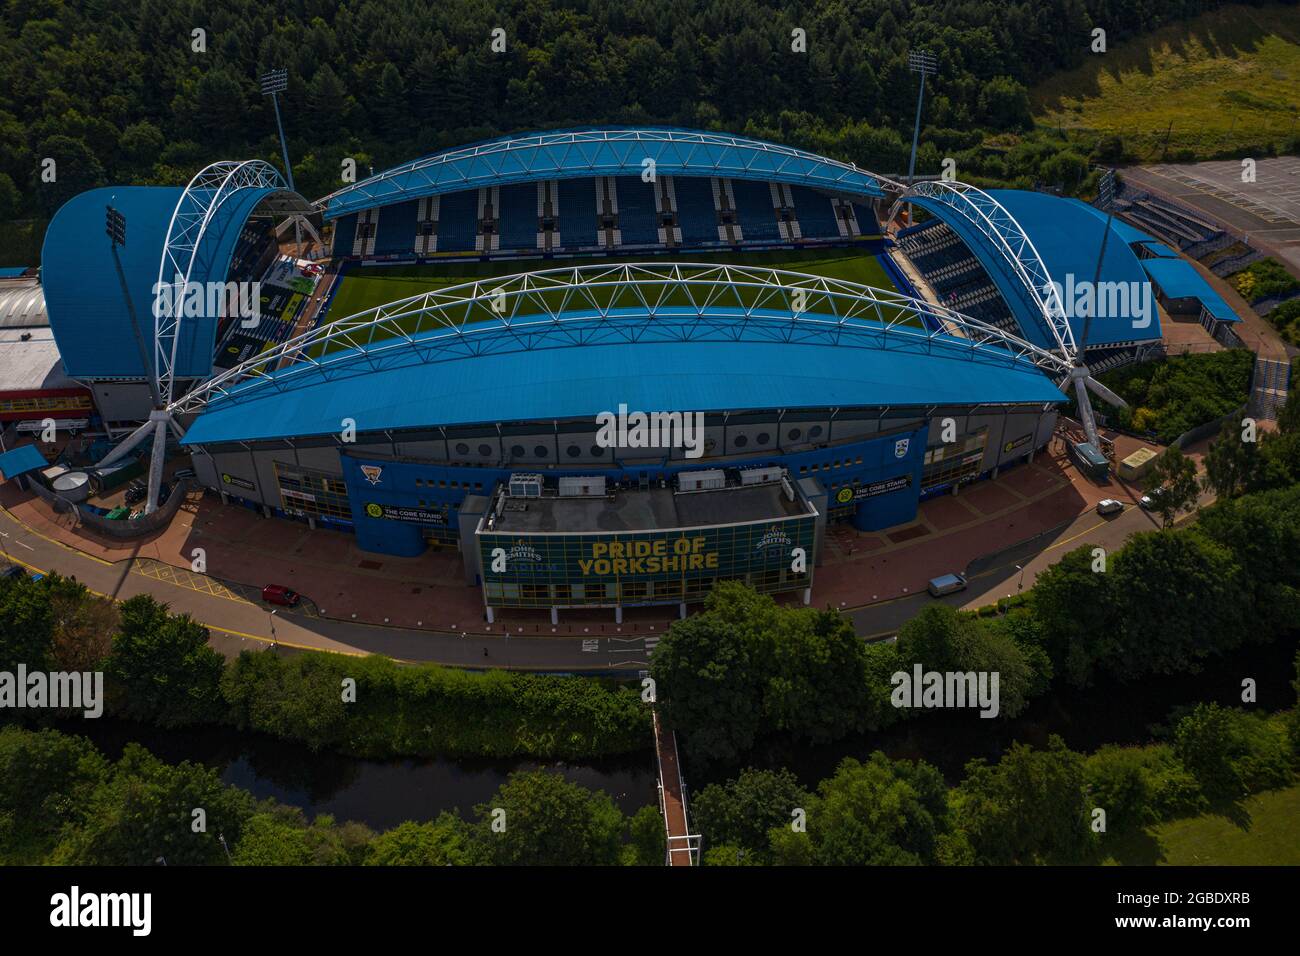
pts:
pixel 577 218
pixel 396 227
pixel 695 213
pixel 867 223
pixel 517 217
pixel 345 234
pixel 815 213
pixel 955 275
pixel 754 210
pixel 636 211
pixel 458 221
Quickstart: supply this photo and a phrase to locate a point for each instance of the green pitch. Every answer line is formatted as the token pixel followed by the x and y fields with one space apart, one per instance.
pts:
pixel 367 287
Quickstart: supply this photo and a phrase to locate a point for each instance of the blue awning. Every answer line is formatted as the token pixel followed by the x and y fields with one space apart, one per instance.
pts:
pixel 21 460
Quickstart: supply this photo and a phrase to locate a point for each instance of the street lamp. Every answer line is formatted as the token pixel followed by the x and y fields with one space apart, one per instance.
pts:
pixel 1021 583
pixel 927 64
pixel 274 645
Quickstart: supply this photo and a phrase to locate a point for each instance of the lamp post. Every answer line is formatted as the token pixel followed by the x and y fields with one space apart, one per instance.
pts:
pixel 927 64
pixel 274 644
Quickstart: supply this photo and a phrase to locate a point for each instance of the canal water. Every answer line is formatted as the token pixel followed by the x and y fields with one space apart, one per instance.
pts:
pixel 383 793
pixel 379 793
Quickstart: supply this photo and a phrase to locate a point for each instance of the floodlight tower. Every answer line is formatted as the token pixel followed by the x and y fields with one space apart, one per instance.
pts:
pixel 927 64
pixel 275 82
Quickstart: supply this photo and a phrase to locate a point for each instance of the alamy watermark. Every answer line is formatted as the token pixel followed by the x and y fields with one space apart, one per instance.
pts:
pixel 56 690
pixel 1104 300
pixel 211 300
pixel 626 429
pixel 933 690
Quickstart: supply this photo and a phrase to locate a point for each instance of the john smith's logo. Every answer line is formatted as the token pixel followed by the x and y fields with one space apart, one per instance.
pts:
pixel 773 537
pixel 900 447
pixel 371 473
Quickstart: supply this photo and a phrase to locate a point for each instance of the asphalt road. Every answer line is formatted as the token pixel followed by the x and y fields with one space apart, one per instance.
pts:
pixel 237 624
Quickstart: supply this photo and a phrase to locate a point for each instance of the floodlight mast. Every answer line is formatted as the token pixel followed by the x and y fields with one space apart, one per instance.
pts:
pixel 275 82
pixel 927 64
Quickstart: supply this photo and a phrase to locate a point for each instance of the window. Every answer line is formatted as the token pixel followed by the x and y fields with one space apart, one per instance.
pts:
pixel 597 451
pixel 764 438
pixel 740 441
pixel 517 451
pixel 573 451
pixel 462 448
pixel 485 450
pixel 815 432
pixel 540 451
pixel 794 434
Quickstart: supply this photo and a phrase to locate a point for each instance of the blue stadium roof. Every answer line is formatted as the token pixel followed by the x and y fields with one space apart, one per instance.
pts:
pixel 566 154
pixel 1178 279
pixel 84 296
pixel 402 389
pixel 1067 234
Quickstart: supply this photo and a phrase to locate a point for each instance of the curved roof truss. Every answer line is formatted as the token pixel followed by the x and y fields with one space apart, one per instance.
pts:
pixel 624 304
pixel 194 211
pixel 602 152
pixel 1010 241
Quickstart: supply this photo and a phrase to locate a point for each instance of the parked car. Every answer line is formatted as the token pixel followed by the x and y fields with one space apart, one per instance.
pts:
pixel 313 269
pixel 1151 501
pixel 1109 506
pixel 947 584
pixel 279 594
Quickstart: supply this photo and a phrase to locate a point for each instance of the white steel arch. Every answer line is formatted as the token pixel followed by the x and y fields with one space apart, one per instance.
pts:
pixel 209 188
pixel 629 302
pixel 504 158
pixel 1011 241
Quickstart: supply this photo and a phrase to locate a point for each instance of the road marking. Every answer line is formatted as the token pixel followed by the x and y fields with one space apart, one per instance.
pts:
pixel 590 647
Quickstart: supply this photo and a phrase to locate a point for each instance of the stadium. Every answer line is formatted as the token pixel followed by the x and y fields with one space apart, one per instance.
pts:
pixel 432 349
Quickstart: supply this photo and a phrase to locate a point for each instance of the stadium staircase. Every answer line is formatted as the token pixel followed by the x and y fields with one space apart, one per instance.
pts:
pixel 1269 386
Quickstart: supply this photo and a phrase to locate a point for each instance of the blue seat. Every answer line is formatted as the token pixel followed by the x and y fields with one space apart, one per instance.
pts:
pixel 517 217
pixel 815 213
pixel 696 216
pixel 458 221
pixel 577 218
pixel 754 210
pixel 636 211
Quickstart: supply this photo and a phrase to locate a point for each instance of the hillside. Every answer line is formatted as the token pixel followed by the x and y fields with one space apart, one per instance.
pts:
pixel 1228 81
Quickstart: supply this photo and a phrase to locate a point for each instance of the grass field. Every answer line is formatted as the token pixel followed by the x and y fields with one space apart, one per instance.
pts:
pixel 368 287
pixel 1263 830
pixel 1228 80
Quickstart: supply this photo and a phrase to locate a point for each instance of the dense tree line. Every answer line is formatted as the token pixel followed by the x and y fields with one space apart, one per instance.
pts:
pixel 63 802
pixel 1169 397
pixel 1030 807
pixel 160 669
pixel 118 92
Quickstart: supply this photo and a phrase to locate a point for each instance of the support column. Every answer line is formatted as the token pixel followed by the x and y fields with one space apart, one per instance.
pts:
pixel 618 614
pixel 225 498
pixel 681 610
pixel 491 618
pixel 555 616
pixel 807 595
pixel 311 522
pixel 266 511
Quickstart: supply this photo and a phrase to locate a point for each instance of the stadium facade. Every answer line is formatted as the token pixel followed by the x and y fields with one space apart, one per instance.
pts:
pixel 468 417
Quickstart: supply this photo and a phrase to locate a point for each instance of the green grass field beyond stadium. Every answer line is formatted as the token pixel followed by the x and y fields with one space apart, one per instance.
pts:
pixel 367 287
pixel 1264 831
pixel 1227 80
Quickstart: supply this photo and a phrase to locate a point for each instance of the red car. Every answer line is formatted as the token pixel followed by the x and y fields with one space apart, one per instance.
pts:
pixel 313 269
pixel 279 594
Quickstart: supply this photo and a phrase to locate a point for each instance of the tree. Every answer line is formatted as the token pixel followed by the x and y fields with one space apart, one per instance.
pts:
pixel 1178 598
pixel 1004 103
pixel 743 810
pixel 145 810
pixel 441 842
pixel 282 836
pixel 818 672
pixel 1173 476
pixel 1076 606
pixel 1029 807
pixel 538 818
pixel 26 625
pixel 83 624
pixel 162 667
pixel 1231 464
pixel 879 813
pixel 46 778
pixel 648 844
pixel 709 673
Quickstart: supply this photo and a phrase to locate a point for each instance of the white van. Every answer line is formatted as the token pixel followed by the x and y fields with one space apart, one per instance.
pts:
pixel 947 584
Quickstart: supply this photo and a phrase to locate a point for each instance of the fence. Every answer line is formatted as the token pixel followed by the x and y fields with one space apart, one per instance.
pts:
pixel 1195 434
